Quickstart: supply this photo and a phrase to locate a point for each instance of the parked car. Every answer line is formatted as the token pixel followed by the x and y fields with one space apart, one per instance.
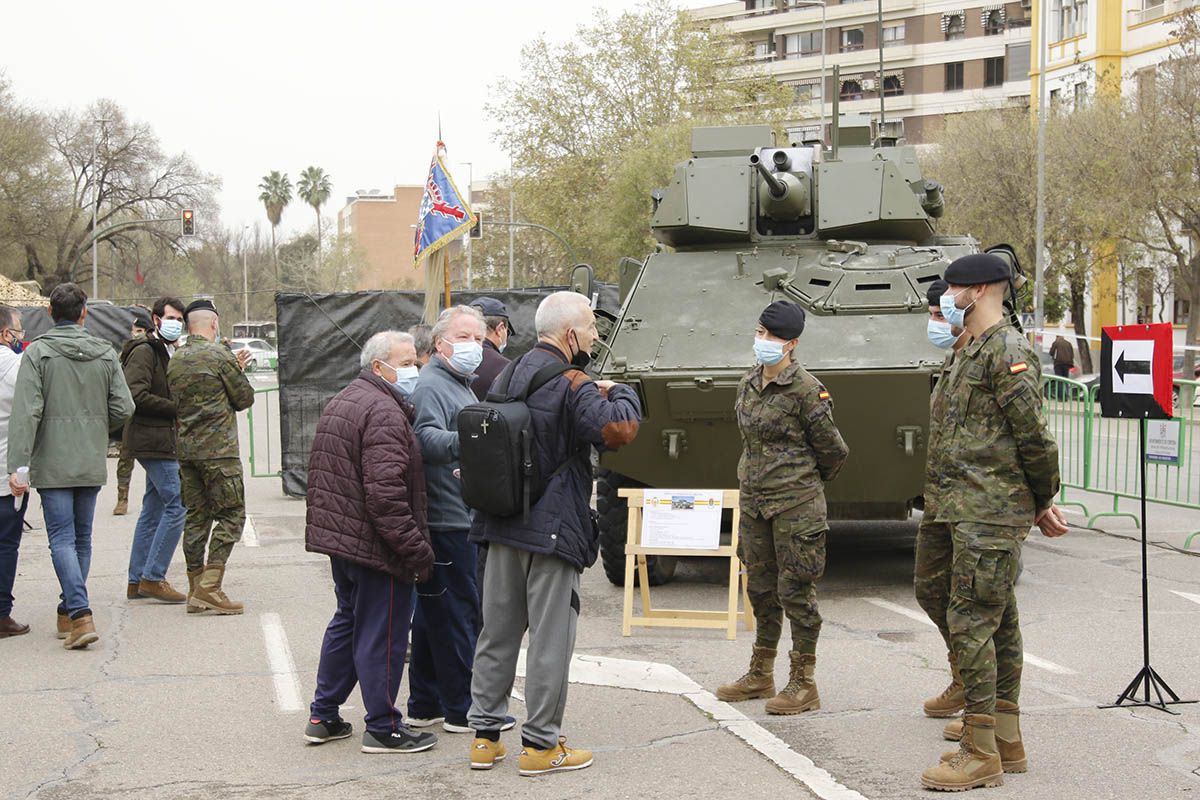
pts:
pixel 262 355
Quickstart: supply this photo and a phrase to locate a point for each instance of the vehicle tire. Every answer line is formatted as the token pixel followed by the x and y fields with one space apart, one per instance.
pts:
pixel 614 520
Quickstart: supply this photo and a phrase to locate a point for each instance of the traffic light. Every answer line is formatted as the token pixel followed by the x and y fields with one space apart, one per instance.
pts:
pixel 188 218
pixel 477 228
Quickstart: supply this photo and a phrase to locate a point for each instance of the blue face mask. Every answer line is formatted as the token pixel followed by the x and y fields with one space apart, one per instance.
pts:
pixel 406 378
pixel 768 352
pixel 467 356
pixel 170 329
pixel 954 315
pixel 940 334
pixel 16 345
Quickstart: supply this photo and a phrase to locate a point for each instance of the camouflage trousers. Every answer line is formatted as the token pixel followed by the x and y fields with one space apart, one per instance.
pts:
pixel 985 632
pixel 784 556
pixel 214 494
pixel 124 472
pixel 931 573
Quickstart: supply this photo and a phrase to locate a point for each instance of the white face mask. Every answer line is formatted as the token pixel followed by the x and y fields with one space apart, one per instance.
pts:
pixel 467 356
pixel 406 378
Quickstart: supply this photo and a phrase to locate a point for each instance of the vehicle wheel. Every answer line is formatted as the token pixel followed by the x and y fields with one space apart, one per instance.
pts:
pixel 614 520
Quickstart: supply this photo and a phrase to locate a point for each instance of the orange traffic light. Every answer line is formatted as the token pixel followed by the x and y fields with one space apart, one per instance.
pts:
pixel 189 222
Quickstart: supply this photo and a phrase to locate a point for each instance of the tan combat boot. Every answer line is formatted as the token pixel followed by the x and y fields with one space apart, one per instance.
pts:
pixel 975 764
pixel 161 591
pixel 1008 737
pixel 951 701
pixel 208 592
pixel 759 680
pixel 800 694
pixel 193 579
pixel 122 507
pixel 83 633
pixel 953 731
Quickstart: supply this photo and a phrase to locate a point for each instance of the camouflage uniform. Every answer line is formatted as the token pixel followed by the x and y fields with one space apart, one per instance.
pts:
pixel 995 467
pixel 790 444
pixel 124 472
pixel 209 389
pixel 935 548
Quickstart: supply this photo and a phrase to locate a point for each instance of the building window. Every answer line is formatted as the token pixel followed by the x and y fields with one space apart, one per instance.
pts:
pixel 852 39
pixel 801 44
pixel 1069 18
pixel 993 22
pixel 954 25
pixel 893 85
pixel 1182 312
pixel 806 133
pixel 851 90
pixel 1055 97
pixel 993 71
pixel 954 76
pixel 807 92
pixel 1145 84
pixel 764 51
pixel 893 34
pixel 1081 94
pixel 1016 60
pixel 762 5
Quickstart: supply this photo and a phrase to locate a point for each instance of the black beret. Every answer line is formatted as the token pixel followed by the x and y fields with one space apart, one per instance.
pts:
pixel 978 268
pixel 199 305
pixel 491 307
pixel 783 319
pixel 935 291
pixel 141 319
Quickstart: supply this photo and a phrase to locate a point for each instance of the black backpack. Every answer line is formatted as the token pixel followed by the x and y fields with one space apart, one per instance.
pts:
pixel 495 438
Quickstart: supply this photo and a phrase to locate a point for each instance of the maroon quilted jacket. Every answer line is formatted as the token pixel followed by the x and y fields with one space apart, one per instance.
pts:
pixel 366 484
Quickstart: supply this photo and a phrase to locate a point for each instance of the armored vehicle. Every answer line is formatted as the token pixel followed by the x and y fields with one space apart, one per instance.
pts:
pixel 847 231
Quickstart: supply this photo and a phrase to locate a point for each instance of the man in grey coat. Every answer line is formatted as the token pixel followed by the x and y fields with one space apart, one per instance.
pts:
pixel 70 394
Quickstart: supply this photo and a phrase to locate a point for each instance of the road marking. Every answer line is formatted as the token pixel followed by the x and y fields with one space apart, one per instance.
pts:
pixel 283 668
pixel 649 676
pixel 1030 658
pixel 249 533
pixel 1195 598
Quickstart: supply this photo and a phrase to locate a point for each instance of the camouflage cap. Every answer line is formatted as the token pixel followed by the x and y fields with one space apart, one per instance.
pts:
pixel 935 291
pixel 199 305
pixel 978 268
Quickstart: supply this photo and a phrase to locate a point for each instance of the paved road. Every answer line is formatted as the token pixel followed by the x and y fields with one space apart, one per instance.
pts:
pixel 168 705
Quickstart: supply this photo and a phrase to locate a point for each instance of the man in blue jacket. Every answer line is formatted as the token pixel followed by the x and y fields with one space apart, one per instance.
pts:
pixel 534 563
pixel 444 624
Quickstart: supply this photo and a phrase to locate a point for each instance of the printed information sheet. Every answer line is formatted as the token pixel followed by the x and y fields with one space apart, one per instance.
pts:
pixel 682 518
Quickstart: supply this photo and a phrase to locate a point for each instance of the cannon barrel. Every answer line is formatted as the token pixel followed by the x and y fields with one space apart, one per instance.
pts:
pixel 774 185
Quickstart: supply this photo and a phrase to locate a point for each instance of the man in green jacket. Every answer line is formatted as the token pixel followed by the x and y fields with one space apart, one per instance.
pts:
pixel 70 394
pixel 209 388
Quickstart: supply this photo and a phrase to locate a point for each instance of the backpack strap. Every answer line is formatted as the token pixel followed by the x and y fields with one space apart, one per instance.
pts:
pixel 498 393
pixel 542 377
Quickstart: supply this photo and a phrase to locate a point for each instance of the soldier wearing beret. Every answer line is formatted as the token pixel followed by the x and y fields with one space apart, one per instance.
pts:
pixel 209 387
pixel 934 542
pixel 995 474
pixel 790 446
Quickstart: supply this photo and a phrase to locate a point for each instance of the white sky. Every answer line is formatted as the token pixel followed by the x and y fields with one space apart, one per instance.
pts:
pixel 352 86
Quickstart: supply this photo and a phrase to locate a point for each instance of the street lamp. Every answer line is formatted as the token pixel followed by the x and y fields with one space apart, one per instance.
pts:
pixel 96 206
pixel 470 202
pixel 245 279
pixel 1040 235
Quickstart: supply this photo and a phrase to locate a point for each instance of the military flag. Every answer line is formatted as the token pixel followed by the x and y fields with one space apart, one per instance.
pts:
pixel 444 214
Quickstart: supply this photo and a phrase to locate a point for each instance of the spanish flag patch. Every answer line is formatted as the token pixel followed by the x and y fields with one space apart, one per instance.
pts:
pixel 823 395
pixel 1018 368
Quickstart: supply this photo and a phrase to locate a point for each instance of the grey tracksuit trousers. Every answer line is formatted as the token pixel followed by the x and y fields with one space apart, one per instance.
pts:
pixel 539 592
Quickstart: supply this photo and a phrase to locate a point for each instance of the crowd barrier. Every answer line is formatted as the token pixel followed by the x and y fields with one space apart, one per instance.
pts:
pixel 1100 455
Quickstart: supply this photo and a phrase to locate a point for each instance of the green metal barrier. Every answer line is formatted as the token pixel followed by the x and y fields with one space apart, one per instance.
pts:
pixel 1100 455
pixel 262 397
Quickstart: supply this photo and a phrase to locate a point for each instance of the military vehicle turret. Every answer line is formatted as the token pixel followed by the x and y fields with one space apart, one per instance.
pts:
pixel 848 232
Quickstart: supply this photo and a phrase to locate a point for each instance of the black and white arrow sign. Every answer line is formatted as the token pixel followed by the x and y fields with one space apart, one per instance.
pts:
pixel 1131 366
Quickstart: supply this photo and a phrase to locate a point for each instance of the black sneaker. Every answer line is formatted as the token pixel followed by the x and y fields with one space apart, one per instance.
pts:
pixel 320 731
pixel 402 740
pixel 464 727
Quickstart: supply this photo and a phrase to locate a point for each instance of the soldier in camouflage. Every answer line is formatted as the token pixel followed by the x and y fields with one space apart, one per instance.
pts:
pixel 995 473
pixel 934 542
pixel 790 446
pixel 209 387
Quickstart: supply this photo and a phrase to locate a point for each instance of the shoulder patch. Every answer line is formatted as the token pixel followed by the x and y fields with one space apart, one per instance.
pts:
pixel 1018 368
pixel 822 395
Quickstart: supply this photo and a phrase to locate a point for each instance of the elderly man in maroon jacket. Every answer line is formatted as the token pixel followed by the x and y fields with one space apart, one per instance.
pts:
pixel 366 511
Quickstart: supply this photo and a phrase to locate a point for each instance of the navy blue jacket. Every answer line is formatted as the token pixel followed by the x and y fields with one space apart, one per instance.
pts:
pixel 570 416
pixel 440 394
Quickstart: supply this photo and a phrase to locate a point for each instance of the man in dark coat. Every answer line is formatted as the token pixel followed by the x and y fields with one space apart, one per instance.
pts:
pixel 150 438
pixel 495 340
pixel 366 511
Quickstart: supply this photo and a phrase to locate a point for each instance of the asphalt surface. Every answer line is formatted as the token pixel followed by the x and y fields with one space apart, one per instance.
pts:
pixel 171 705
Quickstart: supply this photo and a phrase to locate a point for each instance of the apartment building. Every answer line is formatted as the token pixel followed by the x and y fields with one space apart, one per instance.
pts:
pixel 939 57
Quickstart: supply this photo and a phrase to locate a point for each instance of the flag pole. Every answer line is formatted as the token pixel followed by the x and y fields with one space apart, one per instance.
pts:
pixel 446 273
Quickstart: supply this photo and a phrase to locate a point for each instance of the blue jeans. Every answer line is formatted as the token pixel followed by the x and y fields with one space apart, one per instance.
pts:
pixel 68 514
pixel 11 527
pixel 160 524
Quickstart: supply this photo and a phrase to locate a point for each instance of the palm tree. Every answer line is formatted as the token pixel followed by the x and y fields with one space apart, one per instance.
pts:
pixel 314 188
pixel 276 194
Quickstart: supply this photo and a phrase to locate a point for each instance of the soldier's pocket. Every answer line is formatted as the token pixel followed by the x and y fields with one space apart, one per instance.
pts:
pixel 804 554
pixel 985 575
pixel 227 490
